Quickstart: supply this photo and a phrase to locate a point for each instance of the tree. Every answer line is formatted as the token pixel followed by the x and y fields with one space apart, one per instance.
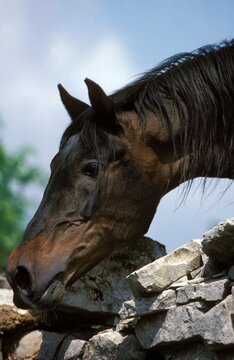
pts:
pixel 16 173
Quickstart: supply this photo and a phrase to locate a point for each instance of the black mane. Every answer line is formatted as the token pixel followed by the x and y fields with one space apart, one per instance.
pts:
pixel 201 86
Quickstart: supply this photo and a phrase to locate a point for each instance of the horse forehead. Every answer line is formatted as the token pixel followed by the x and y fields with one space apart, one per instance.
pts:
pixel 74 148
pixel 72 143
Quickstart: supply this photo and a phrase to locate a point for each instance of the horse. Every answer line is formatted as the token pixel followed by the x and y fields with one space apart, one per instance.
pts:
pixel 117 158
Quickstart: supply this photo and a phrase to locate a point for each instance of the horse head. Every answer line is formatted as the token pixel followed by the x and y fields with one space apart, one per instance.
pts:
pixel 100 196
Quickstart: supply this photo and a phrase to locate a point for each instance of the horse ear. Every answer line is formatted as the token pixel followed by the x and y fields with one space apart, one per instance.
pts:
pixel 73 106
pixel 103 107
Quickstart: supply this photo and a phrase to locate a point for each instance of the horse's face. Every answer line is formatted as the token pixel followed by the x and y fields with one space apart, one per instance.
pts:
pixel 95 201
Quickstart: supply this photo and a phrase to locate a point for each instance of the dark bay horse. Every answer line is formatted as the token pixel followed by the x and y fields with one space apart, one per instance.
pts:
pixel 117 159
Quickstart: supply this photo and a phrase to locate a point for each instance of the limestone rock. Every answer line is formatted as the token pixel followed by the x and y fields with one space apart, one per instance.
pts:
pixel 71 349
pixel 126 324
pixel 63 346
pixel 178 284
pixel 218 243
pixel 208 291
pixel 24 346
pixel 216 326
pixel 187 322
pixel 149 305
pixel 158 275
pixel 174 326
pixel 43 345
pixel 111 345
pixel 104 288
pixel 194 351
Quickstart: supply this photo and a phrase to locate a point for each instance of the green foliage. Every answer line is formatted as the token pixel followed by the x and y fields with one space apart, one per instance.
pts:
pixel 16 173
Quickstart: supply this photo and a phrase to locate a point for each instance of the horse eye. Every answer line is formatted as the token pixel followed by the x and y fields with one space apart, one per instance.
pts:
pixel 91 169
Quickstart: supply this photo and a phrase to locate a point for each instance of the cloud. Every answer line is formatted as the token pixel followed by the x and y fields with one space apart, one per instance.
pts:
pixel 31 108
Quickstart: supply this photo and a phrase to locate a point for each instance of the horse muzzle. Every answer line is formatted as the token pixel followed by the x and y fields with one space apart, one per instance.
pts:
pixel 35 283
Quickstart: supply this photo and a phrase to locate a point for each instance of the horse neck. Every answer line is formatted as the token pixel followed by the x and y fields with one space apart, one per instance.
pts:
pixel 178 163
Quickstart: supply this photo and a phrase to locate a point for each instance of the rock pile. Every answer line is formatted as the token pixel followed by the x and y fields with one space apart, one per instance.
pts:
pixel 137 304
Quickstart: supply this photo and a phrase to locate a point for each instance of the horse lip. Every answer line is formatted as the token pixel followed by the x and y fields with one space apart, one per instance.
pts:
pixel 53 294
pixel 22 301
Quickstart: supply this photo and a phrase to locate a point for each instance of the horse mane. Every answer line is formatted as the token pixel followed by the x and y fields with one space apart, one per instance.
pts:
pixel 200 85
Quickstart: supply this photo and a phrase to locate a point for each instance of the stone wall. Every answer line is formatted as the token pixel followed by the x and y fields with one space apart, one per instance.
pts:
pixel 138 304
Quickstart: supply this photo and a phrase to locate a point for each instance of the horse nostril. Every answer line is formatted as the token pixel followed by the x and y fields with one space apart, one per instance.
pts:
pixel 23 279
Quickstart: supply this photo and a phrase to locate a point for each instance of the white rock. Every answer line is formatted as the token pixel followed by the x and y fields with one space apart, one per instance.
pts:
pixel 158 275
pixel 104 288
pixel 179 283
pixel 145 306
pixel 216 326
pixel 173 326
pixel 188 322
pixel 25 346
pixel 63 345
pixel 111 345
pixel 208 291
pixel 191 351
pixel 218 243
pixel 71 349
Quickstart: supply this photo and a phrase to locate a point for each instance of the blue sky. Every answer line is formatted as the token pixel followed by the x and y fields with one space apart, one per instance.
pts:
pixel 47 42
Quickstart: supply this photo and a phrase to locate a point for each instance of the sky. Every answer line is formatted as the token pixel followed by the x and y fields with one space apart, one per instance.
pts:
pixel 44 43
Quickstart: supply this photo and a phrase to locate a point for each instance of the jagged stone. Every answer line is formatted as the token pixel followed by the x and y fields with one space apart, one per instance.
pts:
pixel 178 284
pixel 196 273
pixel 24 346
pixel 111 345
pixel 145 306
pixel 158 275
pixel 60 346
pixel 44 345
pixel 187 322
pixel 71 349
pixel 216 326
pixel 194 351
pixel 213 270
pixel 104 288
pixel 173 326
pixel 208 291
pixel 218 243
pixel 126 324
